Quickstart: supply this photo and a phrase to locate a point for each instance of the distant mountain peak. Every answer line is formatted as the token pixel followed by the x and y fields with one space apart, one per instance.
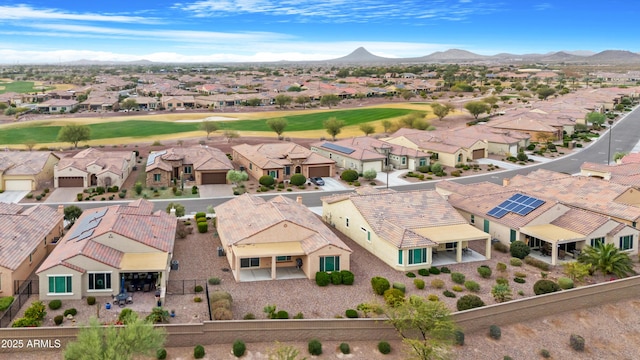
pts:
pixel 360 55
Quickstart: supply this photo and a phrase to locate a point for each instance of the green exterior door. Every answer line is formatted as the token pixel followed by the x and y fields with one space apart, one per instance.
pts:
pixel 486 226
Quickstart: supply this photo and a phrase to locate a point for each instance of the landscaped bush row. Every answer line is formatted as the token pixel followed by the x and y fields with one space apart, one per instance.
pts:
pixel 221 302
pixel 33 316
pixel 345 277
pixel 537 263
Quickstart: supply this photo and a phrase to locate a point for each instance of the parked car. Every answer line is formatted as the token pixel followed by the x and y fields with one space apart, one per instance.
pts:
pixel 317 180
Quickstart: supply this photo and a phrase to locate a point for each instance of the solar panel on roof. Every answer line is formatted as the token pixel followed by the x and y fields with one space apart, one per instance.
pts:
pixel 518 204
pixel 338 148
pixel 84 228
pixel 152 157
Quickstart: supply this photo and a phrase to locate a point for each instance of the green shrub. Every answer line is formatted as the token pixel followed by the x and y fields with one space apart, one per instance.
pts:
pixel 472 285
pixel 198 352
pixel 419 283
pixel 495 332
pixel 519 280
pixel 336 278
pixel 197 299
pixel 72 312
pixel 400 286
pixel 36 311
pixel 393 297
pixel 515 262
pixel 266 180
pixel 349 175
pixel 315 347
pixel 458 278
pixel 5 302
pixel 434 270
pixel 448 294
pixel 221 303
pixel 459 337
pixel 484 271
pixel 26 322
pixel 323 278
pixel 200 215
pixel 249 316
pixel 565 283
pixel 445 270
pixel 469 301
pixel 58 319
pixel 423 272
pixel 457 288
pixel 537 263
pixel 299 315
pixel 161 354
pixel 501 266
pixel 576 342
pixel 214 281
pixel 222 314
pixel 198 289
pixel 55 304
pixel 384 347
pixel 502 281
pixel 203 227
pixel 351 314
pixel 344 348
pixel 121 195
pixel 282 315
pixel 545 353
pixel 380 285
pixel 520 274
pixel 124 314
pixel 410 274
pixel 433 297
pixel 519 249
pixel 498 246
pixel 545 286
pixel 347 277
pixel 219 294
pixel 297 179
pixel 437 283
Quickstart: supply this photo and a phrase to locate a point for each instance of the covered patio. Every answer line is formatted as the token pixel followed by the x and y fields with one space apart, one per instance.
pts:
pixel 455 239
pixel 145 273
pixel 551 243
pixel 269 261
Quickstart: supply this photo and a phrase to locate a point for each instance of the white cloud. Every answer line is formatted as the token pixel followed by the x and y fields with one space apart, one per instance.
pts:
pixel 28 13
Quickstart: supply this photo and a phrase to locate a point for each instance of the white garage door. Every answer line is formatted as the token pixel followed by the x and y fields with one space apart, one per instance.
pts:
pixel 17 185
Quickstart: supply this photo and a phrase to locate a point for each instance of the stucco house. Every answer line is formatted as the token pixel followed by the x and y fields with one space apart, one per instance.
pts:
pixel 364 153
pixel 57 106
pixel 276 237
pixel 201 164
pixel 26 170
pixel 106 246
pixel 27 236
pixel 94 167
pixel 406 230
pixel 281 160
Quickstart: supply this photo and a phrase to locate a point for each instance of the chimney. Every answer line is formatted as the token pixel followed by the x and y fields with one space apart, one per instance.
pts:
pixel 61 209
pixel 505 182
pixel 172 211
pixel 299 199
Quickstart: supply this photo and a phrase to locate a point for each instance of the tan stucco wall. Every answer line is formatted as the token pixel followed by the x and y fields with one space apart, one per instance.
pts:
pixel 631 197
pixel 70 172
pixel 6 282
pixel 47 171
pixel 345 162
pixel 313 259
pixel 76 283
pixel 501 149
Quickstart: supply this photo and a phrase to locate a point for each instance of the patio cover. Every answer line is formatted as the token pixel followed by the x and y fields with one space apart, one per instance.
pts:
pixel 551 233
pixel 157 261
pixel 268 249
pixel 452 233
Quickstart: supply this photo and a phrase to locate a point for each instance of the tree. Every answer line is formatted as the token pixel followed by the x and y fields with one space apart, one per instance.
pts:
pixel 491 100
pixel 230 135
pixel 370 174
pixel 367 129
pixel 386 125
pixel 278 125
pixel 237 177
pixel 334 126
pixel 596 119
pixel 180 210
pixel 329 100
pixel 74 134
pixel 283 100
pixel 607 259
pixel 254 102
pixel 544 92
pixel 129 104
pixel 72 213
pixel 303 100
pixel 208 127
pixel 441 111
pixel 476 108
pixel 430 320
pixel 407 95
pixel 135 339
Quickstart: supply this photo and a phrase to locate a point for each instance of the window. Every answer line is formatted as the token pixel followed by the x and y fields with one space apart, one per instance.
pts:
pixel 249 262
pixel 60 284
pixel 626 242
pixel 99 281
pixel 250 166
pixel 451 245
pixel 366 232
pixel 400 262
pixel 417 256
pixel 513 236
pixel 273 174
pixel 30 258
pixel 404 160
pixel 157 177
pixel 473 219
pixel 597 241
pixel 434 156
pixel 634 224
pixel 459 157
pixel 287 170
pixel 347 222
pixel 283 258
pixel 330 263
pixel 422 162
pixel 187 170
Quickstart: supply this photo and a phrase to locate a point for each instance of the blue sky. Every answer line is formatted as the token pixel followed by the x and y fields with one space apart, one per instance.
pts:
pixel 271 30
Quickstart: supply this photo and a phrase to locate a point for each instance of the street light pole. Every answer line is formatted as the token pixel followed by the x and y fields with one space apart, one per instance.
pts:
pixel 610 134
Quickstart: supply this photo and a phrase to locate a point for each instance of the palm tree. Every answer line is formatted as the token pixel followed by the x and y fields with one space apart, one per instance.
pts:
pixel 607 259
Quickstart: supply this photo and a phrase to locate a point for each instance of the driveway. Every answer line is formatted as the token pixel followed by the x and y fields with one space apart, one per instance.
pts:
pixel 331 184
pixel 395 178
pixel 216 190
pixel 12 196
pixel 62 195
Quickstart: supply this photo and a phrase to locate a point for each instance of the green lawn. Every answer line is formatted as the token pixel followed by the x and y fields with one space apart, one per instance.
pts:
pixel 18 87
pixel 140 128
